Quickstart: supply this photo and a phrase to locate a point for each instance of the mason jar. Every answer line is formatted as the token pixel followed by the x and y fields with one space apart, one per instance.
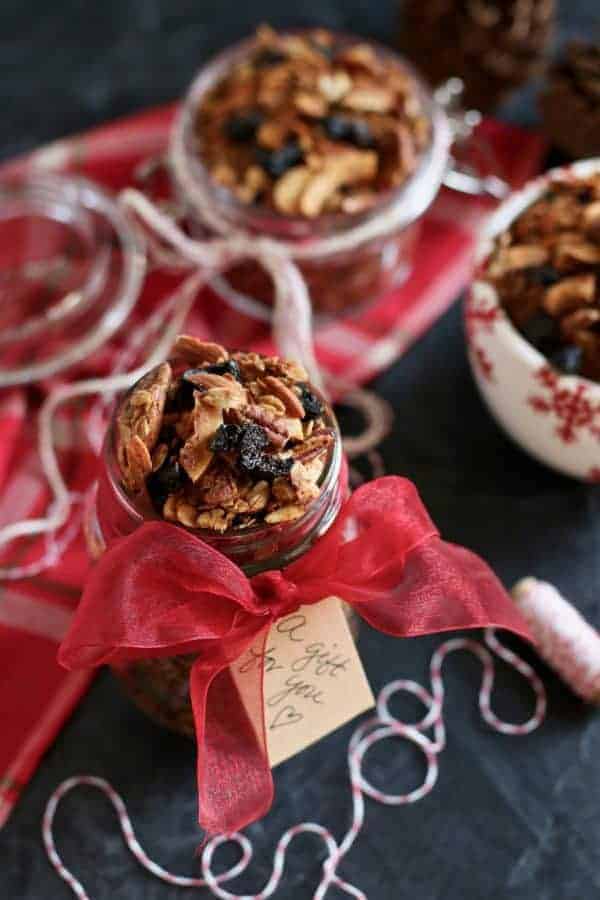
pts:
pixel 347 260
pixel 160 686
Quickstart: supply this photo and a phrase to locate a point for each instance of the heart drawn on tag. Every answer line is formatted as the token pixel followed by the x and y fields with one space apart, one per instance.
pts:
pixel 287 715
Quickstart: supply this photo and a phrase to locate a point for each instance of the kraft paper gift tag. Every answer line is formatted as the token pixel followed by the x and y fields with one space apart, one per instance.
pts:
pixel 314 681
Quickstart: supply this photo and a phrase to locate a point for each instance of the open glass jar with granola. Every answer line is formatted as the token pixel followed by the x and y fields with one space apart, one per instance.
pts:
pixel 329 145
pixel 237 448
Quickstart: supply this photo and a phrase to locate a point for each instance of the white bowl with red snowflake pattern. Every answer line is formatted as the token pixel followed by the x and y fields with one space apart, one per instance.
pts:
pixel 553 416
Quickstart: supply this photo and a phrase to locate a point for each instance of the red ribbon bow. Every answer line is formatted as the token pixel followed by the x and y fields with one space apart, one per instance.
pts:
pixel 160 591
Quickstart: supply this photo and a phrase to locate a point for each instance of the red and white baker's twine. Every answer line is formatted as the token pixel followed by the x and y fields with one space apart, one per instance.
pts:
pixel 379 727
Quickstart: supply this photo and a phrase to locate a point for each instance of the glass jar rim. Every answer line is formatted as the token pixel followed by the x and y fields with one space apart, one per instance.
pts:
pixel 404 204
pixel 316 519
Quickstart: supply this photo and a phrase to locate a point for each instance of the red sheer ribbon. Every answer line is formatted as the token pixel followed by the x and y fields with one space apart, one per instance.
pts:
pixel 160 591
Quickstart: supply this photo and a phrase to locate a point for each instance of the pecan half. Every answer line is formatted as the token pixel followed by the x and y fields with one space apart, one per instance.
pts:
pixel 195 351
pixel 291 401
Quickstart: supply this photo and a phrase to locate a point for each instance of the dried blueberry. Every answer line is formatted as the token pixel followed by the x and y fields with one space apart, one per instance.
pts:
pixel 269 57
pixel 165 481
pixel 277 162
pixel 167 435
pixel 568 359
pixel 540 330
pixel 585 195
pixel 227 437
pixel 184 398
pixel 337 127
pixel 354 131
pixel 542 275
pixel 312 405
pixel 252 442
pixel 361 135
pixel 229 367
pixel 325 50
pixel 269 467
pixel 242 126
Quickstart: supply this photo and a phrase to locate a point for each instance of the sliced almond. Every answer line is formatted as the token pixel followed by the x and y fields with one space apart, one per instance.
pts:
pixel 313 105
pixel 292 427
pixel 186 514
pixel 273 403
pixel 214 519
pixel 581 252
pixel 520 256
pixel 371 99
pixel 344 169
pixel 159 455
pixel 258 496
pixel 569 293
pixel 285 514
pixel 591 215
pixel 170 508
pixel 221 391
pixel 288 189
pixel 334 86
pixel 304 479
pixel 255 181
pixel 196 455
pixel 580 320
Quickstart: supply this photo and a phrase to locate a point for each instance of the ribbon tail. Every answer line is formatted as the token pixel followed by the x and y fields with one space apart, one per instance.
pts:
pixel 444 587
pixel 235 786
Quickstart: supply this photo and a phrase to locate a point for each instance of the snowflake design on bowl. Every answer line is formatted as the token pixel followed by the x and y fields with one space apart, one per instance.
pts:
pixel 575 412
pixel 480 317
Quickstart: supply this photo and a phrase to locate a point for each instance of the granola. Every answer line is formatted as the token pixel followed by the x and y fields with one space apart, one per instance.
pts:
pixel 546 269
pixel 223 441
pixel 310 124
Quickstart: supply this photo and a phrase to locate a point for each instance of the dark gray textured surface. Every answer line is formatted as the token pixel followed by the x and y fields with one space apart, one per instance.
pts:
pixel 510 817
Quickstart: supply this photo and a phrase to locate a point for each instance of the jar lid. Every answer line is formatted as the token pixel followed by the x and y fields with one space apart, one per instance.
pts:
pixel 71 269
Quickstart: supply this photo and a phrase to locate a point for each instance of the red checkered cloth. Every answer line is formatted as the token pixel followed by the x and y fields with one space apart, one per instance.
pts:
pixel 36 696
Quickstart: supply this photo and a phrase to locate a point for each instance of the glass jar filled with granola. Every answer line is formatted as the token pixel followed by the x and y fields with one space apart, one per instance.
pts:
pixel 239 449
pixel 329 145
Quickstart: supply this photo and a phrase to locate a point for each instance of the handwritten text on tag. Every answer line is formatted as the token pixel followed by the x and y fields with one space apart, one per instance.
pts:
pixel 314 680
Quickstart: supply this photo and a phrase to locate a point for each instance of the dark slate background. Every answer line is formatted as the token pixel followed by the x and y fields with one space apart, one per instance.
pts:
pixel 510 817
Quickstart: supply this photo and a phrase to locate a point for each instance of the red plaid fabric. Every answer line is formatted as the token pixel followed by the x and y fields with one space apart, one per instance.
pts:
pixel 36 696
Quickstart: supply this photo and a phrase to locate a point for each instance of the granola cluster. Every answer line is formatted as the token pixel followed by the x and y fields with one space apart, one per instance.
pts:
pixel 312 124
pixel 223 441
pixel 546 268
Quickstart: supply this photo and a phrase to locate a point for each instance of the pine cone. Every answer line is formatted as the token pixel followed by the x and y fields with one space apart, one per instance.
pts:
pixel 493 45
pixel 570 105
